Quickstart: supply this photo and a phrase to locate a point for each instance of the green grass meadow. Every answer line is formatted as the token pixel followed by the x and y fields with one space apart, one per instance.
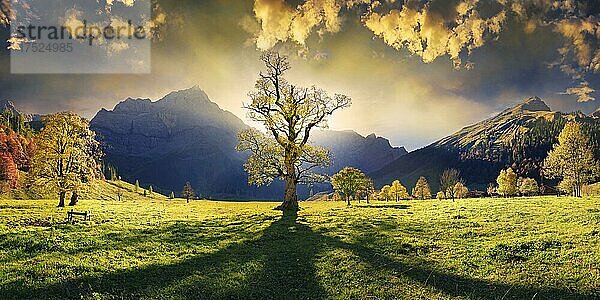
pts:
pixel 140 248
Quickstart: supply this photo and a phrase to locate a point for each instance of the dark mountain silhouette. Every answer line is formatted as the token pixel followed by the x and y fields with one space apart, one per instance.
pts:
pixel 186 137
pixel 182 137
pixel 349 148
pixel 519 137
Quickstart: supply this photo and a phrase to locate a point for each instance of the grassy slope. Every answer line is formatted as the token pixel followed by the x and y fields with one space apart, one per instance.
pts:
pixel 154 248
pixel 96 190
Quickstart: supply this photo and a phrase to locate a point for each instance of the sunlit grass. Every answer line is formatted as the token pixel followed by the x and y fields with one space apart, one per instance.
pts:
pixel 158 248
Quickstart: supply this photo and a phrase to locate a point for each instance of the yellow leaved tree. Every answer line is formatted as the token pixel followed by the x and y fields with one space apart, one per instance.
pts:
pixel 67 156
pixel 572 160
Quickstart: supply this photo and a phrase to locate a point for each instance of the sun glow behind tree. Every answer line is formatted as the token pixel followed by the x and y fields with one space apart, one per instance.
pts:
pixel 289 113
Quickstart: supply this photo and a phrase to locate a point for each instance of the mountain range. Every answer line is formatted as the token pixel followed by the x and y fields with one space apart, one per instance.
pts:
pixel 519 137
pixel 186 137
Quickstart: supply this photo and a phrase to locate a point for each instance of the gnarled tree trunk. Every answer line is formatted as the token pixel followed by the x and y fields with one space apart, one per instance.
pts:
pixel 290 198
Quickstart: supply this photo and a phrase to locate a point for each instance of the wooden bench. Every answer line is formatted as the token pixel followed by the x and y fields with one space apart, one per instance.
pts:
pixel 87 216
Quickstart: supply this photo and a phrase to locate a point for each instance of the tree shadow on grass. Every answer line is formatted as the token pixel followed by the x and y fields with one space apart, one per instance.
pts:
pixel 278 264
pixel 455 285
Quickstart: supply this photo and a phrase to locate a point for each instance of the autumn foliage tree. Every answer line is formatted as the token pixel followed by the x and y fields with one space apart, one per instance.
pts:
pixel 448 181
pixel 289 113
pixel 9 174
pixel 572 159
pixel 15 154
pixel 384 193
pixel 67 155
pixel 460 190
pixel 422 190
pixel 507 183
pixel 398 191
pixel 367 190
pixel 528 186
pixel 349 182
pixel 267 161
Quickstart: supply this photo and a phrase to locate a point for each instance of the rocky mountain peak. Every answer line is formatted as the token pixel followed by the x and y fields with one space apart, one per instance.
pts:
pixel 192 99
pixel 349 148
pixel 131 105
pixel 194 92
pixel 532 104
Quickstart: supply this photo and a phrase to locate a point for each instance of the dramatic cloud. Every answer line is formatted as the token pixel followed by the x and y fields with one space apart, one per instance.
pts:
pixel 73 19
pixel 424 32
pixel 576 21
pixel 582 92
pixel 455 30
pixel 431 35
pixel 580 54
pixel 279 22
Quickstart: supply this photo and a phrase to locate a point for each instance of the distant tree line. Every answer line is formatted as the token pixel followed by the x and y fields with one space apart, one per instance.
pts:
pixel 571 159
pixel 351 184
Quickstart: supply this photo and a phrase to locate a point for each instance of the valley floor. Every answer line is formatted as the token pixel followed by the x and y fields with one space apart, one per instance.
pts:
pixel 524 248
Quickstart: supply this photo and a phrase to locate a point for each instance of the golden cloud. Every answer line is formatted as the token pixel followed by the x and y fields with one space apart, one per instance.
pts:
pixel 279 22
pixel 429 35
pixel 421 31
pixel 582 92
pixel 129 3
pixel 14 42
pixel 582 36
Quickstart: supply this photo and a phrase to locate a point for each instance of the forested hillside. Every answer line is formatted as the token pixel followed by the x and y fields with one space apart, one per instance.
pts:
pixel 519 137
